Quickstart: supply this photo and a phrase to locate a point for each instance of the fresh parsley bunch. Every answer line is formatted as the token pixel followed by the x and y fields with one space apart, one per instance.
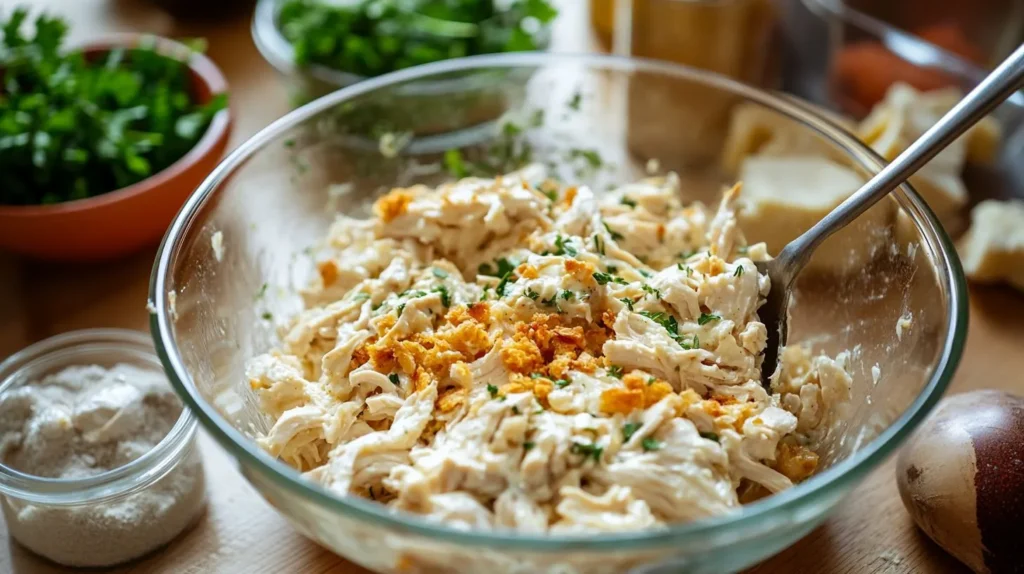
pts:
pixel 72 127
pixel 372 37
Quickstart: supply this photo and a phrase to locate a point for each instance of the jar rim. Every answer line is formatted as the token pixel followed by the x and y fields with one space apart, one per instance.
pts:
pixel 110 484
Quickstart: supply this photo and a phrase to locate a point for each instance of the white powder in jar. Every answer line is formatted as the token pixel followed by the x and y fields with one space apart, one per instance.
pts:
pixel 81 422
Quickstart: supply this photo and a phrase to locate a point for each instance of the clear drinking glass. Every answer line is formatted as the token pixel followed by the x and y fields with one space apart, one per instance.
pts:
pixel 277 193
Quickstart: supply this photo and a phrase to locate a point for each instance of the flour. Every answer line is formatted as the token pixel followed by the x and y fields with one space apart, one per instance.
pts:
pixel 81 422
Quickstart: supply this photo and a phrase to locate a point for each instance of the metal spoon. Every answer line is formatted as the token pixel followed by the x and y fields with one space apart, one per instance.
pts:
pixel 993 90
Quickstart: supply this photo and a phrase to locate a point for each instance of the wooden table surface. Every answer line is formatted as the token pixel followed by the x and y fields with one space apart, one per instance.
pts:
pixel 240 532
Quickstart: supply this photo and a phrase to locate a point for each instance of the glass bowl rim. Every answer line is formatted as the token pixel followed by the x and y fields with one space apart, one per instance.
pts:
pixel 250 456
pixel 117 482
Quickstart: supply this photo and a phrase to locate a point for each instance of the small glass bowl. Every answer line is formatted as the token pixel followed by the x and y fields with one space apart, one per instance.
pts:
pixel 88 521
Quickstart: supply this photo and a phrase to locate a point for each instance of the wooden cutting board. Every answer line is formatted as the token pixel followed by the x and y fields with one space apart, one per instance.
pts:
pixel 871 532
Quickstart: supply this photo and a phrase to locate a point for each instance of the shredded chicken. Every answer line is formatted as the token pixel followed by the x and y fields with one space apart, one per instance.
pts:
pixel 519 354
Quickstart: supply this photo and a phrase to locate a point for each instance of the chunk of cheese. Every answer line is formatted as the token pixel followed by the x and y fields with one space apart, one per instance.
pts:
pixel 785 196
pixel 993 249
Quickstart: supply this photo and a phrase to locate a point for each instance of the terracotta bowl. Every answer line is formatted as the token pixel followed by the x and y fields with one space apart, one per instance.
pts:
pixel 123 221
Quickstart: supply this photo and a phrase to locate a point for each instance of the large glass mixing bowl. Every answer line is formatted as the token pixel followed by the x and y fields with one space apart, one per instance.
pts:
pixel 226 275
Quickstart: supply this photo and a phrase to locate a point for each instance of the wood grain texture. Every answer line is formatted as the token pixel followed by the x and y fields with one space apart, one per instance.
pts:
pixel 871 532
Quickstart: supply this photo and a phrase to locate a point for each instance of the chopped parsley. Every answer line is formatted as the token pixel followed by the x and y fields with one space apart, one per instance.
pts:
pixel 669 323
pixel 590 156
pixel 628 302
pixel 493 390
pixel 551 302
pixel 738 272
pixel 686 268
pixel 687 254
pixel 615 371
pixel 483 294
pixel 439 273
pixel 267 316
pixel 401 309
pixel 604 279
pixel 645 273
pixel 628 202
pixel 515 409
pixel 629 429
pixel 561 383
pixel 454 163
pixel 500 289
pixel 552 195
pixel 613 269
pixel 504 266
pixel 567 294
pixel 537 376
pixel 262 291
pixel 598 244
pixel 648 289
pixel 564 247
pixel 574 103
pixel 587 450
pixel 531 293
pixel 393 377
pixel 709 436
pixel 446 298
pixel 529 445
pixel 651 380
pixel 706 318
pixel 650 444
pixel 614 234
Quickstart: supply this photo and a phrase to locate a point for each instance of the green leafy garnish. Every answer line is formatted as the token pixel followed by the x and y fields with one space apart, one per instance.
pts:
pixel 454 163
pixel 615 371
pixel 604 279
pixel 261 292
pixel 587 450
pixel 532 294
pixel 400 309
pixel 629 429
pixel 446 298
pixel 738 272
pixel 439 273
pixel 709 436
pixel 614 234
pixel 567 294
pixel 598 244
pixel 592 157
pixel 267 316
pixel 577 99
pixel 500 289
pixel 551 194
pixel 564 247
pixel 650 444
pixel 706 318
pixel 501 267
pixel 73 127
pixel 628 302
pixel 393 377
pixel 561 383
pixel 529 445
pixel 650 290
pixel 628 202
pixel 515 410
pixel 492 390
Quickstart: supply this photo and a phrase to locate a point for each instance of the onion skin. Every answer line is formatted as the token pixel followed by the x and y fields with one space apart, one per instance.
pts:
pixel 961 477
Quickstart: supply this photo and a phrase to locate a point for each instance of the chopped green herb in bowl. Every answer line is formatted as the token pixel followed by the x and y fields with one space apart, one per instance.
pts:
pixel 322 45
pixel 100 145
pixel 75 125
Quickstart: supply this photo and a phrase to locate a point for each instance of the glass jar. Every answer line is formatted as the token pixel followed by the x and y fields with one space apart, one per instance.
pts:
pixel 119 514
pixel 735 38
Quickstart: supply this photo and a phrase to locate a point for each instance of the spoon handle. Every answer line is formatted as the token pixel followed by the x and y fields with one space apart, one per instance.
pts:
pixel 993 90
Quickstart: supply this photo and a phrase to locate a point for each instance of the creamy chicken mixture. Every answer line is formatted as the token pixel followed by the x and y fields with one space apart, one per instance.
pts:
pixel 518 354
